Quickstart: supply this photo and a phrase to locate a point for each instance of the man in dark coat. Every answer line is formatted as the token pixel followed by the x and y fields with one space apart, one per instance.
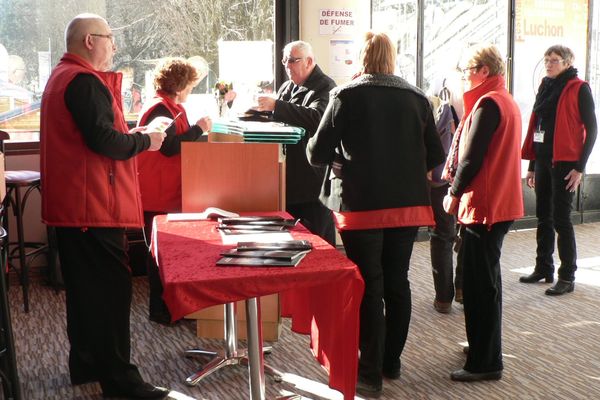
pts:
pixel 301 102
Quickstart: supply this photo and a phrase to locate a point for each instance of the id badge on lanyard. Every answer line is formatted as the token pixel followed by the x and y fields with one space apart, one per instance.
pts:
pixel 538 134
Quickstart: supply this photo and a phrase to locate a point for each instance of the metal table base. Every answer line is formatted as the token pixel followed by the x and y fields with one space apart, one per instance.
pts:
pixel 252 357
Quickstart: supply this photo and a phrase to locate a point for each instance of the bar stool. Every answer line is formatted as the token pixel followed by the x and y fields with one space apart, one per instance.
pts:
pixel 15 181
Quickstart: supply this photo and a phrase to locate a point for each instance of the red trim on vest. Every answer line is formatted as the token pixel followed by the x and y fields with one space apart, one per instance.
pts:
pixel 385 218
pixel 160 176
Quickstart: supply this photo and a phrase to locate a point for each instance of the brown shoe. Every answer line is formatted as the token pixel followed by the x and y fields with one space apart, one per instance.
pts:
pixel 441 307
pixel 458 296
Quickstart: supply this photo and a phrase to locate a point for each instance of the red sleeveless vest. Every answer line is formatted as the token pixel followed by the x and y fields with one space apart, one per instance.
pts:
pixel 495 194
pixel 81 188
pixel 160 176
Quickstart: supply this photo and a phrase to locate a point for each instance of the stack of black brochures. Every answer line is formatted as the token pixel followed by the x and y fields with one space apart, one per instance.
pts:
pixel 255 254
pixel 257 224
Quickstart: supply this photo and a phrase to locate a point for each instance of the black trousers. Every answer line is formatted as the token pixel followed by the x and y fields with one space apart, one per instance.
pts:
pixel 316 218
pixel 553 206
pixel 383 257
pixel 441 243
pixel 157 308
pixel 98 290
pixel 482 291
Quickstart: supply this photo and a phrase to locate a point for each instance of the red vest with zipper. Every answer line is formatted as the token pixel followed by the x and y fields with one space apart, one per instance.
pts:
pixel 160 176
pixel 81 188
pixel 569 131
pixel 494 194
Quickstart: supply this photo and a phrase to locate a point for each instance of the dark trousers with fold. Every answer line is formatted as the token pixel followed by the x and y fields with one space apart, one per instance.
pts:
pixel 442 238
pixel 316 218
pixel 157 308
pixel 553 206
pixel 482 291
pixel 95 268
pixel 383 257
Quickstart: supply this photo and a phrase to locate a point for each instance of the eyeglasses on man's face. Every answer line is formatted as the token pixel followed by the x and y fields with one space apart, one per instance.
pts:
pixel 110 36
pixel 291 60
pixel 552 61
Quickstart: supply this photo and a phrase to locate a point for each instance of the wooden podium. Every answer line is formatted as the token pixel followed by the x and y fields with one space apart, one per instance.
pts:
pixel 235 177
pixel 232 176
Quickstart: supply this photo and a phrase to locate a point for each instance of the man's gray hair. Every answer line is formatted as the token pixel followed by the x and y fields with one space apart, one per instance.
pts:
pixel 304 48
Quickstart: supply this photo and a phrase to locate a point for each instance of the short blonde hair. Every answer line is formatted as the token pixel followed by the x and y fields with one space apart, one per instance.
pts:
pixel 378 55
pixel 487 55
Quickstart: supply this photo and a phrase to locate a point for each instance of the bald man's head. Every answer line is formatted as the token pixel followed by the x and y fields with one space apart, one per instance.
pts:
pixel 89 36
pixel 80 26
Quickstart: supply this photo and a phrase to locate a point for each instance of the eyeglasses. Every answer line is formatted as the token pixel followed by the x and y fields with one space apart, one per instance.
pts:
pixel 110 36
pixel 291 60
pixel 552 61
pixel 467 69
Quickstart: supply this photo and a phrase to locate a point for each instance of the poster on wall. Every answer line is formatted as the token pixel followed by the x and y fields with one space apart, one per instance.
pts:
pixel 342 59
pixel 540 24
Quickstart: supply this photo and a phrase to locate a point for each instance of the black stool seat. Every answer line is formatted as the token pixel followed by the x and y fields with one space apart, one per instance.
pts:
pixel 15 180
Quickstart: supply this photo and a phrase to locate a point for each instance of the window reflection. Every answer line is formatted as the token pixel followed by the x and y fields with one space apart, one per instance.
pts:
pixel 32 42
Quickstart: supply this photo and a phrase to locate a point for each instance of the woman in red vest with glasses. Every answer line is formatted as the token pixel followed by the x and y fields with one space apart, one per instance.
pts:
pixel 160 172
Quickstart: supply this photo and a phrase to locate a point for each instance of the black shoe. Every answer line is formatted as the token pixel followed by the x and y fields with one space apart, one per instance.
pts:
pixel 367 390
pixel 536 277
pixel 465 376
pixel 391 373
pixel 391 369
pixel 561 287
pixel 80 379
pixel 163 318
pixel 141 391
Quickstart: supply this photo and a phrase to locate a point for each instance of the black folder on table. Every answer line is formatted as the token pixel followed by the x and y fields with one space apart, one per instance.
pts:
pixel 262 261
pixel 286 245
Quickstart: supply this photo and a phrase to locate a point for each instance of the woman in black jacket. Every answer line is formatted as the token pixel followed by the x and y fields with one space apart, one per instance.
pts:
pixel 378 140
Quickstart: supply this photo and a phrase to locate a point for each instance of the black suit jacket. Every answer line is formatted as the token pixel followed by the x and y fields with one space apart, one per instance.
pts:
pixel 304 109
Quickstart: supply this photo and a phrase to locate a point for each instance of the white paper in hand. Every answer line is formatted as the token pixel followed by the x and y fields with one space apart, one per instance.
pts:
pixel 159 124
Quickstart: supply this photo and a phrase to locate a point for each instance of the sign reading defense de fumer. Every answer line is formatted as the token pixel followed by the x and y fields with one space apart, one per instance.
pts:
pixel 333 21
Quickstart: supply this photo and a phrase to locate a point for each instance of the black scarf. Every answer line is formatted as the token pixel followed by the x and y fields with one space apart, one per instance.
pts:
pixel 546 100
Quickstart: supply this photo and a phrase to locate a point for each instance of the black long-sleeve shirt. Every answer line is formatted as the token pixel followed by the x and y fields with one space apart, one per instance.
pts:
pixel 588 117
pixel 90 104
pixel 485 122
pixel 172 143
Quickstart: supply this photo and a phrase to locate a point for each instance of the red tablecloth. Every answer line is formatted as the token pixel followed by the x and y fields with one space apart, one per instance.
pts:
pixel 322 294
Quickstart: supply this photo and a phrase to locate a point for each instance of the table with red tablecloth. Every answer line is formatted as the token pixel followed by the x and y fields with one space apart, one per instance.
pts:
pixel 322 294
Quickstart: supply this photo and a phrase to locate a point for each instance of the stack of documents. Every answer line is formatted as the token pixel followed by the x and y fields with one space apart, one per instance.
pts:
pixel 277 254
pixel 259 132
pixel 271 132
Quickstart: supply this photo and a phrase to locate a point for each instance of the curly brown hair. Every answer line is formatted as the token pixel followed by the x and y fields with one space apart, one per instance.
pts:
pixel 173 75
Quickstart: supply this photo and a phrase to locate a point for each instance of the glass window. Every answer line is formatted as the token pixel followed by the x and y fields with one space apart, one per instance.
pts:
pixel 398 18
pixel 450 27
pixel 212 33
pixel 593 166
pixel 539 25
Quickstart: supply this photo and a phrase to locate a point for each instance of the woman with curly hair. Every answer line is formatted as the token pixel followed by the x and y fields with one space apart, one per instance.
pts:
pixel 160 172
